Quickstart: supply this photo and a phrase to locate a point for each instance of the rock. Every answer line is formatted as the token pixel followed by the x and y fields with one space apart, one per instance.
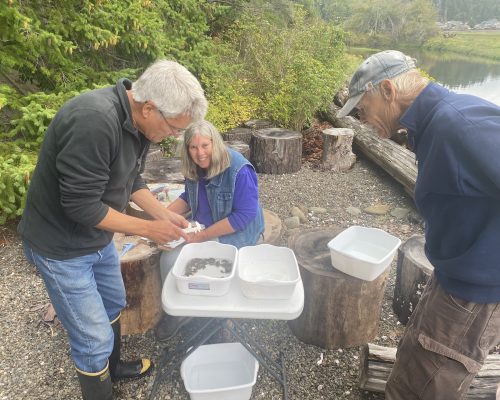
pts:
pixel 318 210
pixel 400 212
pixel 292 222
pixel 297 212
pixel 377 209
pixel 353 210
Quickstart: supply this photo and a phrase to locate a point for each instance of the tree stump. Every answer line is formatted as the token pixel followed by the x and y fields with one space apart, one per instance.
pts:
pixel 240 147
pixel 141 275
pixel 272 228
pixel 413 271
pixel 163 170
pixel 239 134
pixel 258 124
pixel 337 149
pixel 276 151
pixel 339 310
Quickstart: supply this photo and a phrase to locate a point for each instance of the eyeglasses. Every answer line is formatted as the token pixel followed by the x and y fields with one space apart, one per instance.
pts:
pixel 178 131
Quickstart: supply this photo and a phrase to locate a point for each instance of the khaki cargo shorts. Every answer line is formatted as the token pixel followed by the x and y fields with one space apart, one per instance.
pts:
pixel 443 347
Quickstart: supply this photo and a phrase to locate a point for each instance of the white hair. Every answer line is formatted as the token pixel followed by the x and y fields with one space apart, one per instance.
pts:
pixel 173 89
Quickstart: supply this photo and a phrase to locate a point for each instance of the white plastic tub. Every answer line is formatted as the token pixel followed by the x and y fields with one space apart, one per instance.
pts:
pixel 267 272
pixel 222 371
pixel 204 284
pixel 363 252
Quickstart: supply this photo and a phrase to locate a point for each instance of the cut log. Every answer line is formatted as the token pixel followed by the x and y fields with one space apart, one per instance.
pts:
pixel 337 149
pixel 240 147
pixel 276 151
pixel 163 170
pixel 141 275
pixel 239 134
pixel 395 159
pixel 376 364
pixel 272 228
pixel 413 272
pixel 339 310
pixel 258 124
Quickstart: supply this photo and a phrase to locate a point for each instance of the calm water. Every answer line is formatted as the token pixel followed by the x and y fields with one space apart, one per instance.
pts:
pixel 461 76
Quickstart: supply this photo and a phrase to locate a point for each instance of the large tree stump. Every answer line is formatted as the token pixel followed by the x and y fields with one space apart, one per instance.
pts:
pixel 141 274
pixel 337 149
pixel 339 310
pixel 276 151
pixel 240 147
pixel 272 228
pixel 376 363
pixel 239 134
pixel 163 170
pixel 413 271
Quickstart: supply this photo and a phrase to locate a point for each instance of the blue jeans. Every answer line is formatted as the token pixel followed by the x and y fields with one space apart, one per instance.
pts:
pixel 87 292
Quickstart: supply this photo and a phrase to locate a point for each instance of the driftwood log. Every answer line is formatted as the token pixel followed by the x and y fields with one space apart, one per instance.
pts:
pixel 339 310
pixel 239 134
pixel 276 151
pixel 240 147
pixel 337 149
pixel 141 275
pixel 376 364
pixel 395 159
pixel 413 271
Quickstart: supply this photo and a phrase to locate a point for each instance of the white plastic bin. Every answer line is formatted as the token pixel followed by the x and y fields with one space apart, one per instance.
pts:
pixel 222 371
pixel 267 272
pixel 204 284
pixel 363 252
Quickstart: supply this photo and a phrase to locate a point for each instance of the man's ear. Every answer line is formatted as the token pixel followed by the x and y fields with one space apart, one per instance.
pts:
pixel 147 109
pixel 388 90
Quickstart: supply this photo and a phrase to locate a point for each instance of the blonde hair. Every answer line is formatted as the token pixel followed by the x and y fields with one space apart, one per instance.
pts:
pixel 220 159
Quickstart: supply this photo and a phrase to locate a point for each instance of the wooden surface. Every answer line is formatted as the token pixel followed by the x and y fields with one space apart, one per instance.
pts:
pixel 240 147
pixel 337 149
pixel 163 170
pixel 276 151
pixel 141 275
pixel 413 271
pixel 239 134
pixel 339 310
pixel 376 363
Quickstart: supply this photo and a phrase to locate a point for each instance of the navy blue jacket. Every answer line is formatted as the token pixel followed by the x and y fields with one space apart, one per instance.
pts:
pixel 456 139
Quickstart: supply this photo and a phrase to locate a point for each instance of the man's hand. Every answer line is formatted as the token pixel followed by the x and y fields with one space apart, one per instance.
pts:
pixel 163 231
pixel 175 218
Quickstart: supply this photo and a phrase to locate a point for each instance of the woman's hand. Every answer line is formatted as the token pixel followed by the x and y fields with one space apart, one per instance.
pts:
pixel 197 237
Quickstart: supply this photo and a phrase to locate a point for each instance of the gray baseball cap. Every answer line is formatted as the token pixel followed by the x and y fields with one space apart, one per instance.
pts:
pixel 384 65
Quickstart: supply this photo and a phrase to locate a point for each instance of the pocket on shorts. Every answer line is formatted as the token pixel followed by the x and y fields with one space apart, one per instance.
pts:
pixel 434 346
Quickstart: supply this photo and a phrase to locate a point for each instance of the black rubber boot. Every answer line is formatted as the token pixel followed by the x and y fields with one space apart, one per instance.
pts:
pixel 95 386
pixel 125 369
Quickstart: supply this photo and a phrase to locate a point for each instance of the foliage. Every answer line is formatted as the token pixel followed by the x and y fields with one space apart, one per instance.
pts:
pixel 469 11
pixel 485 45
pixel 384 23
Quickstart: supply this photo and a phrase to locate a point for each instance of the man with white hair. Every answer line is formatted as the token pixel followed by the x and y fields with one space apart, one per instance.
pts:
pixel 456 140
pixel 88 169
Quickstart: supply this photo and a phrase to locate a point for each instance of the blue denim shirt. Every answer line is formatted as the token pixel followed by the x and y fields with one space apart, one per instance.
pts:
pixel 220 193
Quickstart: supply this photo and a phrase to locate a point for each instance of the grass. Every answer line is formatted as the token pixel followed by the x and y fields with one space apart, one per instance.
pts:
pixel 484 45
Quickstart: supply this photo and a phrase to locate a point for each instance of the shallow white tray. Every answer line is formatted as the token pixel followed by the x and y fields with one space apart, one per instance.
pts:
pixel 232 305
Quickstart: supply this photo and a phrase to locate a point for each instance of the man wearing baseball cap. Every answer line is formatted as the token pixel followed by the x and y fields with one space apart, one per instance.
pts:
pixel 456 140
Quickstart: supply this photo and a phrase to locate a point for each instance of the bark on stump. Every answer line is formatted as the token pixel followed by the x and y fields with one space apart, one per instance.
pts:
pixel 258 124
pixel 272 228
pixel 140 268
pixel 339 310
pixel 240 147
pixel 239 134
pixel 413 271
pixel 276 151
pixel 163 170
pixel 376 363
pixel 337 149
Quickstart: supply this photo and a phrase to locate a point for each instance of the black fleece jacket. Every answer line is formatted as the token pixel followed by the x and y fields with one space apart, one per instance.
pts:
pixel 91 159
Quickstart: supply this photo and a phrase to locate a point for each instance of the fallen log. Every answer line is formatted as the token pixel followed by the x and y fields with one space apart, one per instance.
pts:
pixel 376 364
pixel 395 159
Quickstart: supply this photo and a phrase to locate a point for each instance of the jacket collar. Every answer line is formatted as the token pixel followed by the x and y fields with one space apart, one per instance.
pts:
pixel 122 86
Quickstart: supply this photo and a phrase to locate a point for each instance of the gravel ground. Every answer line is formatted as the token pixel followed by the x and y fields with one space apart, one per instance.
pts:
pixel 34 356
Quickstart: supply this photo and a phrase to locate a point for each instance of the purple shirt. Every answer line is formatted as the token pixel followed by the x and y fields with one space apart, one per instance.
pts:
pixel 245 201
